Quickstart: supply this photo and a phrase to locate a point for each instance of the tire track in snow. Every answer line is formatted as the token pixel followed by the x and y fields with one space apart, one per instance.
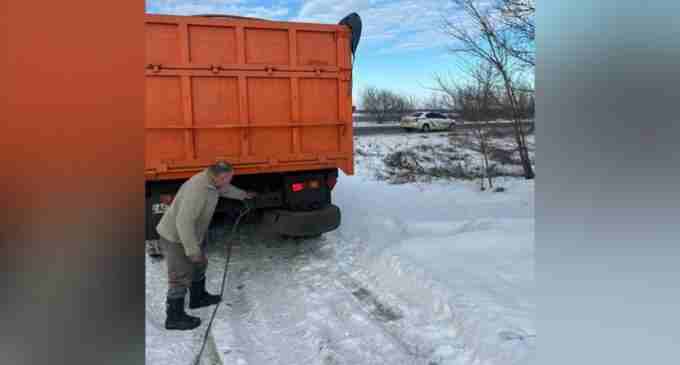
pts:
pixel 290 306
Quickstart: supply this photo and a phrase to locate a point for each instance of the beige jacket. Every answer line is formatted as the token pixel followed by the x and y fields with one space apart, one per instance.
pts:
pixel 188 217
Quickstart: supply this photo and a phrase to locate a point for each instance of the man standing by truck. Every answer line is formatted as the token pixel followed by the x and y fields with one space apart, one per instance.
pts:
pixel 182 230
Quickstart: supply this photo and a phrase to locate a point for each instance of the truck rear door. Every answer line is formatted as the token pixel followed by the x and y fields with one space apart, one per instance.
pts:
pixel 264 96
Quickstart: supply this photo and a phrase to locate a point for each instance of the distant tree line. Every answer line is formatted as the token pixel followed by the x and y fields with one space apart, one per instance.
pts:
pixel 382 105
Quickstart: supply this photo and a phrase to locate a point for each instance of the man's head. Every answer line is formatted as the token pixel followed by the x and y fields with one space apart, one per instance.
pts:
pixel 221 173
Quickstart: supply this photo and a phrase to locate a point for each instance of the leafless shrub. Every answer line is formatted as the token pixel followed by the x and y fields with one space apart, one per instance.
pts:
pixel 484 36
pixel 503 156
pixel 384 104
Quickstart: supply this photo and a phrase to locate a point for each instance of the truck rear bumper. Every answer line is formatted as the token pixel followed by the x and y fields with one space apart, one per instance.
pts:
pixel 304 224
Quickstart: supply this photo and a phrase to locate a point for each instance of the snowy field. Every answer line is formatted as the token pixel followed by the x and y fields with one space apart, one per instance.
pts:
pixel 427 157
pixel 433 271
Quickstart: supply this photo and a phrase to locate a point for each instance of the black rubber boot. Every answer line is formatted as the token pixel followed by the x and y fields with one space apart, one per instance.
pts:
pixel 177 319
pixel 198 297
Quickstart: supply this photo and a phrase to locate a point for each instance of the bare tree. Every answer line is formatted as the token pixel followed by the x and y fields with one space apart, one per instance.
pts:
pixel 405 104
pixel 438 100
pixel 485 79
pixel 446 85
pixel 525 99
pixel 374 103
pixel 519 18
pixel 461 94
pixel 412 103
pixel 476 99
pixel 384 104
pixel 483 39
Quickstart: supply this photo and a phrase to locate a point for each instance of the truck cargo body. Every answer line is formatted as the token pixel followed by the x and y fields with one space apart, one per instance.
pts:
pixel 271 98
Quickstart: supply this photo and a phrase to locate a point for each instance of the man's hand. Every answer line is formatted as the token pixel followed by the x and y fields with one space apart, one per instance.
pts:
pixel 250 194
pixel 198 259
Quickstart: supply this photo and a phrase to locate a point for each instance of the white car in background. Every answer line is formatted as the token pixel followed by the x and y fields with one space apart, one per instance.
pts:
pixel 426 121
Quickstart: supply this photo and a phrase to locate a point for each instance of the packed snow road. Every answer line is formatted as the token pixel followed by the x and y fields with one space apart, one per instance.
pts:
pixel 436 276
pixel 432 272
pixel 286 302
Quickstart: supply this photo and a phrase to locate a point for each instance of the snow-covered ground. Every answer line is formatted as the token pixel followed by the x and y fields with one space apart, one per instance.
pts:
pixel 422 157
pixel 430 272
pixel 456 262
pixel 497 121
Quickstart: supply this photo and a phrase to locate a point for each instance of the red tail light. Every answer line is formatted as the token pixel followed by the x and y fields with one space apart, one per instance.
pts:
pixel 332 180
pixel 167 198
pixel 298 187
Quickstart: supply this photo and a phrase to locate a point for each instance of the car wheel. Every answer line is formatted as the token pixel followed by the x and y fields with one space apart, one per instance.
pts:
pixel 426 128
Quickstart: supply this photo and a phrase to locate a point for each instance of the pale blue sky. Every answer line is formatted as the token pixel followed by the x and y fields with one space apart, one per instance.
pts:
pixel 401 46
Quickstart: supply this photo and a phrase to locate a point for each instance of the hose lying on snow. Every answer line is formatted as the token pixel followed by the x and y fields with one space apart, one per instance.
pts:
pixel 244 212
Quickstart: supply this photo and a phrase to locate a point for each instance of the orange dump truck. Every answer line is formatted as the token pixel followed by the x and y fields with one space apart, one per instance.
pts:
pixel 274 99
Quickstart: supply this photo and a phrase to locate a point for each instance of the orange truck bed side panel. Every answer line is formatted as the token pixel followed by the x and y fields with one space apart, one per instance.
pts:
pixel 265 96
